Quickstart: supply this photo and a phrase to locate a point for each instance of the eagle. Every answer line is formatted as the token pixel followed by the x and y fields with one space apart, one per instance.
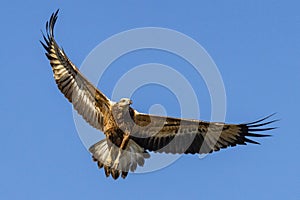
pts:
pixel 131 135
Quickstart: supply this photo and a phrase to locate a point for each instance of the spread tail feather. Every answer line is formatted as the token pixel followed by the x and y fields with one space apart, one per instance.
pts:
pixel 106 155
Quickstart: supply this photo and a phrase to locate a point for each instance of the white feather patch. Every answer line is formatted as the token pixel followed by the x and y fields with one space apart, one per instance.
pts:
pixel 130 158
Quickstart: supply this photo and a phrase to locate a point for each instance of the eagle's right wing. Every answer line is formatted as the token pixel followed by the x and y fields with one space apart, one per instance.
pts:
pixel 175 135
pixel 89 102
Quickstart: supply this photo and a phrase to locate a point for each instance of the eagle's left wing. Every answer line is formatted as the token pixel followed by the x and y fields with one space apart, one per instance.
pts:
pixel 89 102
pixel 174 135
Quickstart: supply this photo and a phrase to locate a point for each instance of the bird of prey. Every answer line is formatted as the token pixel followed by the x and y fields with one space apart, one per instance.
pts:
pixel 131 135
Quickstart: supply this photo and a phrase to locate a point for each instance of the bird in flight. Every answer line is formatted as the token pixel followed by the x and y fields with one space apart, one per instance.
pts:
pixel 131 135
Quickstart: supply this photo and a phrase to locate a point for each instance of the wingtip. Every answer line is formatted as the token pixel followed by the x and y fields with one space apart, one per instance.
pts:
pixel 45 46
pixel 51 23
pixel 257 135
pixel 247 140
pixel 260 120
pixel 57 11
pixel 258 125
pixel 261 129
pixel 261 124
pixel 253 129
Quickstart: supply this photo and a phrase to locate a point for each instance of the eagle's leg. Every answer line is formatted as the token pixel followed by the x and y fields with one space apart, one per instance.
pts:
pixel 122 148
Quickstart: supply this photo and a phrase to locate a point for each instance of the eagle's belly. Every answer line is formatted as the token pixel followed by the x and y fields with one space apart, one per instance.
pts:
pixel 115 136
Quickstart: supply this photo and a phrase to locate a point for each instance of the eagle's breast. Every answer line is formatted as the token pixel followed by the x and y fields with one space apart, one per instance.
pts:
pixel 123 118
pixel 119 123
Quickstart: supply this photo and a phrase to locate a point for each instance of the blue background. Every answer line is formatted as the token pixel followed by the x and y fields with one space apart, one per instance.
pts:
pixel 256 46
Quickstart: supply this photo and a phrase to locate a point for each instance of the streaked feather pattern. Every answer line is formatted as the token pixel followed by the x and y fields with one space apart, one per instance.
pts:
pixel 128 140
pixel 86 99
pixel 174 135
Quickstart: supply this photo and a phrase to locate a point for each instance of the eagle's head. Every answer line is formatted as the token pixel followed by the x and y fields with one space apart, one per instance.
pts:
pixel 124 102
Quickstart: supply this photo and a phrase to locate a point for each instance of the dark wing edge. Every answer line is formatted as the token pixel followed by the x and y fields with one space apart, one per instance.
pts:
pixel 179 136
pixel 89 102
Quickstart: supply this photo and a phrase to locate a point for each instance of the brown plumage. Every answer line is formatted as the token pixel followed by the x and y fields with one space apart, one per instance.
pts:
pixel 130 134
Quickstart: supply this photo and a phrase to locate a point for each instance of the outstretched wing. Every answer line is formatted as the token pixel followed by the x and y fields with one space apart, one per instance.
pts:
pixel 173 135
pixel 86 99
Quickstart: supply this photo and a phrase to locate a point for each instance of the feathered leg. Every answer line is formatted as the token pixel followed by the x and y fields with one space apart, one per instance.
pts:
pixel 122 148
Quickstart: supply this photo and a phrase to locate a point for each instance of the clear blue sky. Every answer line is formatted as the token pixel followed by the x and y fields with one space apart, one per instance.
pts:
pixel 256 46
